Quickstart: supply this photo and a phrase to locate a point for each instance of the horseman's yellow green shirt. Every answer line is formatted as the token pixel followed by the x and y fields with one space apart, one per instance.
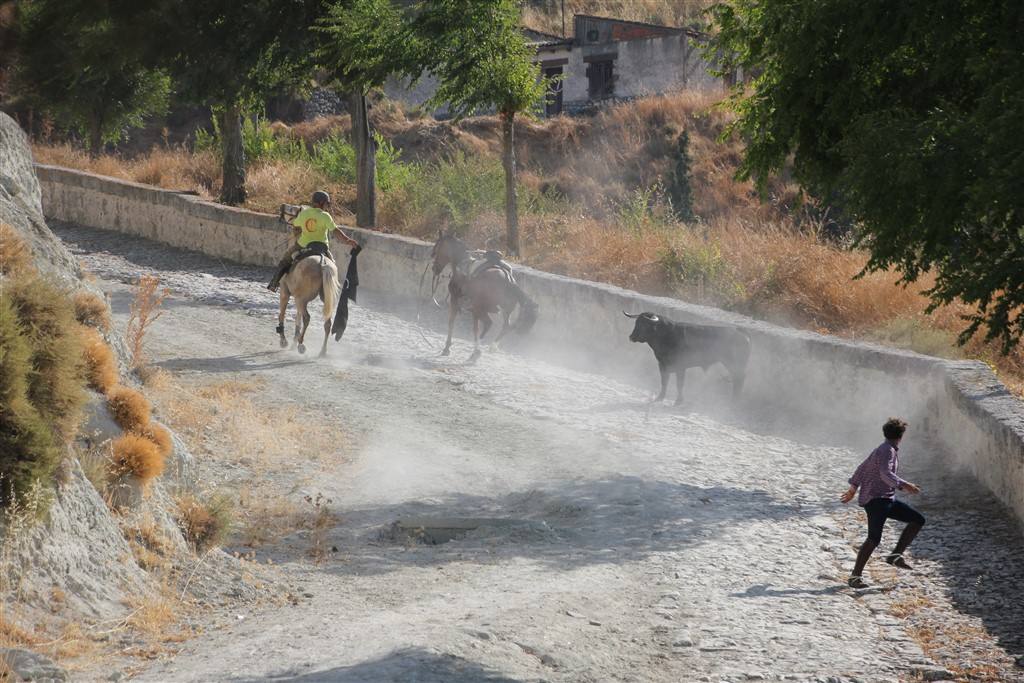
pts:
pixel 315 224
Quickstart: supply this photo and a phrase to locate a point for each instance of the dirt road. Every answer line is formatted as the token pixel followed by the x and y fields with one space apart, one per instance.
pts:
pixel 626 543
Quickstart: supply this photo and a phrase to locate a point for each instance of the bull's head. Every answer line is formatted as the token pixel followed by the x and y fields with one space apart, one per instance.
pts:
pixel 645 327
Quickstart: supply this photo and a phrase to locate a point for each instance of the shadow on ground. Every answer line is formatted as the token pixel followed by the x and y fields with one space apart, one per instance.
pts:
pixel 619 520
pixel 411 664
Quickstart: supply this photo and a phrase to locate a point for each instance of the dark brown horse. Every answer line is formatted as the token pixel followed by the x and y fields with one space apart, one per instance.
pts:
pixel 483 288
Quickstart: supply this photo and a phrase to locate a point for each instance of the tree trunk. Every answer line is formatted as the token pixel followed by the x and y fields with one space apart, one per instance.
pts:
pixel 511 202
pixel 232 189
pixel 366 161
pixel 95 136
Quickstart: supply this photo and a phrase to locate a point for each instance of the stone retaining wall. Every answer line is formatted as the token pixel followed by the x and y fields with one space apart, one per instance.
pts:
pixel 959 403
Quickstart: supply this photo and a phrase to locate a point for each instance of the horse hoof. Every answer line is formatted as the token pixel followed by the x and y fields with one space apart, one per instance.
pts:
pixel 475 356
pixel 284 343
pixel 301 348
pixel 446 352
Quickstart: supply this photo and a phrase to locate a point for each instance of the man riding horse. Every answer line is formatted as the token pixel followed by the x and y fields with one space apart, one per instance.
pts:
pixel 311 228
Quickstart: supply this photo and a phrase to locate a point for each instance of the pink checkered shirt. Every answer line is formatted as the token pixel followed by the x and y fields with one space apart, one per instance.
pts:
pixel 876 476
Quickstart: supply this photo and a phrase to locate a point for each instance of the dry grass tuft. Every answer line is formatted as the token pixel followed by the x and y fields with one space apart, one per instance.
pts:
pixel 155 616
pixel 160 437
pixel 13 635
pixel 205 522
pixel 91 310
pixel 136 456
pixel 145 310
pixel 100 366
pixel 130 408
pixel 15 256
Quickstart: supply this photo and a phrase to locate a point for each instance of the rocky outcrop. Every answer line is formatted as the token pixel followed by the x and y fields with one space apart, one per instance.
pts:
pixel 21 206
pixel 77 548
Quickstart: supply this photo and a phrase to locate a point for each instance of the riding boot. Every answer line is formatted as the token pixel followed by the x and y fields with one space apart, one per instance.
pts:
pixel 276 280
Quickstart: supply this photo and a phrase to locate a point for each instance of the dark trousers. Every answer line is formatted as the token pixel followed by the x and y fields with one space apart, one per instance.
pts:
pixel 879 510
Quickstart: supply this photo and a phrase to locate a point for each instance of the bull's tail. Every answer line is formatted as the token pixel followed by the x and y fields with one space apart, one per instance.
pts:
pixel 331 286
pixel 527 311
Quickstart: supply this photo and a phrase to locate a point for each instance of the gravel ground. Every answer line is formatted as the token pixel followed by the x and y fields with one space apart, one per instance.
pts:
pixel 693 544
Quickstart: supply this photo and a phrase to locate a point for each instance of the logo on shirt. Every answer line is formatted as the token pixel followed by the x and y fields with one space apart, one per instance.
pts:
pixel 310 225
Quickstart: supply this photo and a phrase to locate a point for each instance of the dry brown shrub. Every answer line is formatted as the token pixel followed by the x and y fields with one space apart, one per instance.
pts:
pixel 137 456
pixel 130 408
pixel 13 635
pixel 145 310
pixel 205 522
pixel 15 256
pixel 155 616
pixel 91 310
pixel 100 366
pixel 160 437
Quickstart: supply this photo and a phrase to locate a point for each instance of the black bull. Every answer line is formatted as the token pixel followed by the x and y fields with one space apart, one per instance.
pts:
pixel 679 346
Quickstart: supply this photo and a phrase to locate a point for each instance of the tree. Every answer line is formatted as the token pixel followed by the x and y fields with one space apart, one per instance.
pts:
pixel 364 42
pixel 910 114
pixel 680 189
pixel 78 62
pixel 477 51
pixel 232 55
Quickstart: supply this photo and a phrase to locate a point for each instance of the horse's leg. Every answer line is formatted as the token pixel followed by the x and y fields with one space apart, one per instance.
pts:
pixel 282 310
pixel 300 321
pixel 327 334
pixel 506 313
pixel 487 325
pixel 453 310
pixel 476 337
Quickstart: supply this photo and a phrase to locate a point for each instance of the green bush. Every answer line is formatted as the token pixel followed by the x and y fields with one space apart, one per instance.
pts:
pixel 41 383
pixel 697 269
pixel 335 157
pixel 258 139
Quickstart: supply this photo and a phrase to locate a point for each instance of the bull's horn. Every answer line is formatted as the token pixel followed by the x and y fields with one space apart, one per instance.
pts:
pixel 653 318
pixel 635 315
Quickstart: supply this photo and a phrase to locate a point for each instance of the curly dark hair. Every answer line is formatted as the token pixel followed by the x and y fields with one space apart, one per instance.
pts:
pixel 894 428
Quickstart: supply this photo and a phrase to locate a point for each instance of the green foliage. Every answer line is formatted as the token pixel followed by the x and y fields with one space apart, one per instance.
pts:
pixel 41 383
pixel 909 116
pixel 363 42
pixel 680 191
pixel 259 140
pixel 697 268
pixel 477 50
pixel 335 157
pixel 78 62
pixel 915 334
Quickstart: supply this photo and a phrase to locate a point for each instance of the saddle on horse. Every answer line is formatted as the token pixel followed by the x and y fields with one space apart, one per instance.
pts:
pixel 494 260
pixel 295 255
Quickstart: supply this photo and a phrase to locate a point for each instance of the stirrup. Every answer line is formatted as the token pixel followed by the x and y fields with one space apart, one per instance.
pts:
pixel 896 560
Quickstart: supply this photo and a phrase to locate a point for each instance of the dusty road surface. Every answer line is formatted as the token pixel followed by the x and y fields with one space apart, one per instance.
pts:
pixel 612 542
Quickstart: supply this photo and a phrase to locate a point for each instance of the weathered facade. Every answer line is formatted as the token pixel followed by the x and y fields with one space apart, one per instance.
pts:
pixel 604 60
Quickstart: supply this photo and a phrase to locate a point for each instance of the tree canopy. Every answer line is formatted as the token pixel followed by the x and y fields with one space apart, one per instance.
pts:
pixel 84 64
pixel 911 114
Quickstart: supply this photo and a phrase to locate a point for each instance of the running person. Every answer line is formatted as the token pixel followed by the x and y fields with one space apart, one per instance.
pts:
pixel 878 482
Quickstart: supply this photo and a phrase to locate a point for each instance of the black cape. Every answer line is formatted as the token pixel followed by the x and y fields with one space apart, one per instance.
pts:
pixel 348 291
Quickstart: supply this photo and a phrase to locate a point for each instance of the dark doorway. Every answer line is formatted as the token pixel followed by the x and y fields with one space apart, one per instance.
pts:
pixel 601 79
pixel 553 99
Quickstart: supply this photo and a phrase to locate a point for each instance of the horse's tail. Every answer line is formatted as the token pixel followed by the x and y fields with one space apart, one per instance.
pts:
pixel 332 288
pixel 527 311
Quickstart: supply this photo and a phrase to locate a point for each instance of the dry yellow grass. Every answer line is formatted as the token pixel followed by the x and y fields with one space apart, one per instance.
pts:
pixel 160 436
pixel 129 408
pixel 91 310
pixel 101 369
pixel 145 310
pixel 205 521
pixel 15 256
pixel 137 456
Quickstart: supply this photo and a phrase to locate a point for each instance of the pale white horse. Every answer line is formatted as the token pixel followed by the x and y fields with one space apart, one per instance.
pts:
pixel 309 278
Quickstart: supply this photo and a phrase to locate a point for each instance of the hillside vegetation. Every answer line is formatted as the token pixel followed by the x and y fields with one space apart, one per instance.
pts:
pixel 603 198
